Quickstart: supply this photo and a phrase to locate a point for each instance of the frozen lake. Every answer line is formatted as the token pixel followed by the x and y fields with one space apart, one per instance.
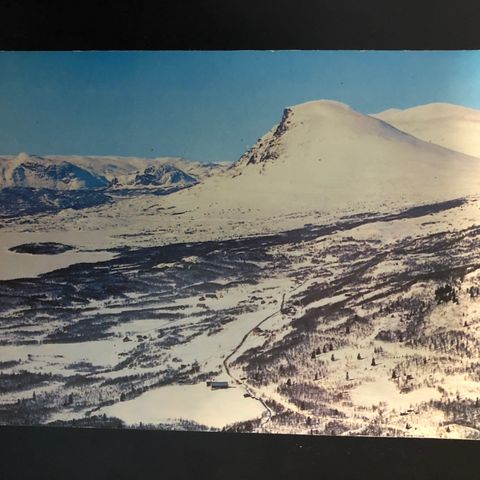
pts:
pixel 214 408
pixel 23 265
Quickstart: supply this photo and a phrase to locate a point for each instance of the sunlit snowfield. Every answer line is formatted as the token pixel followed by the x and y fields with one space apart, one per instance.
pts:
pixel 330 276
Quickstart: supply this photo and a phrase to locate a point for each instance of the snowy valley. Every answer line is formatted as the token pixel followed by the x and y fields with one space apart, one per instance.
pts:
pixel 330 277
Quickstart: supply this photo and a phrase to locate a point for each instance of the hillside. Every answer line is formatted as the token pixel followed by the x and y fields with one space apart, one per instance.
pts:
pixel 451 126
pixel 325 156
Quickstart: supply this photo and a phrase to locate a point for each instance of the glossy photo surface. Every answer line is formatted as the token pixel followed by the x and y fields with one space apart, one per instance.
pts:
pixel 262 242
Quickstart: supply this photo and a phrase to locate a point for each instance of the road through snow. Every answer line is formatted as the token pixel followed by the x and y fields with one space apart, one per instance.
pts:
pixel 248 388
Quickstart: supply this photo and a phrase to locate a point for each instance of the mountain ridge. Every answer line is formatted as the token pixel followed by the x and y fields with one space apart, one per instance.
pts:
pixel 59 172
pixel 455 127
pixel 325 155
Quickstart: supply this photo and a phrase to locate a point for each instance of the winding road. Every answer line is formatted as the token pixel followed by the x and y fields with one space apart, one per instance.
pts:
pixel 238 381
pixel 249 389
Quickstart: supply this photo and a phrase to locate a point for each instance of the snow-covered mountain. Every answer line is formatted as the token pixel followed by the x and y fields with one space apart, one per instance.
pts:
pixel 323 155
pixel 117 167
pixel 77 172
pixel 322 162
pixel 451 126
pixel 335 256
pixel 164 175
pixel 56 174
pixel 30 184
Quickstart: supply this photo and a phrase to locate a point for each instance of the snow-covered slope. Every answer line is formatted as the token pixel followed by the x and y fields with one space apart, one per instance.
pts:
pixel 325 156
pixel 451 126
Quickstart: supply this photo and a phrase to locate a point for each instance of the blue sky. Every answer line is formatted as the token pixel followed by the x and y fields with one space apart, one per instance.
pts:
pixel 207 106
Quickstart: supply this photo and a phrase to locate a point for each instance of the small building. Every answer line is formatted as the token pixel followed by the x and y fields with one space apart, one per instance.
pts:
pixel 215 385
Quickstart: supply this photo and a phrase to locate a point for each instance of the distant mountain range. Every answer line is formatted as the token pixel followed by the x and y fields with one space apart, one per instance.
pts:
pixel 32 184
pixel 76 172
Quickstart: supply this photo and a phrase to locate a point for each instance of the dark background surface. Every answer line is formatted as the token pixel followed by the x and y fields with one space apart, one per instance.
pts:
pixel 64 453
pixel 239 24
pixel 42 452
